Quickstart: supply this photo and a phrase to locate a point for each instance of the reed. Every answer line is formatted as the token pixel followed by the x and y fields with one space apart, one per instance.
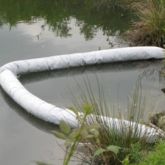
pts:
pixel 149 29
pixel 103 144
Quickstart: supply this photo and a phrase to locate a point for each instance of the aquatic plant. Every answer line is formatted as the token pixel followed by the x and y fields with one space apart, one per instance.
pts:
pixel 41 163
pixel 149 29
pixel 101 143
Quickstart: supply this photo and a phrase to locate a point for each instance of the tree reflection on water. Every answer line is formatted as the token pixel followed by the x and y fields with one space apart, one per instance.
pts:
pixel 90 15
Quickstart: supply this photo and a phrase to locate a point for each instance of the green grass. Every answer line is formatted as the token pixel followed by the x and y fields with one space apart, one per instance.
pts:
pixel 156 157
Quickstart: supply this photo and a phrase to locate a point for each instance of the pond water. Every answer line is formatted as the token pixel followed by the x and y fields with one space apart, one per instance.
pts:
pixel 38 28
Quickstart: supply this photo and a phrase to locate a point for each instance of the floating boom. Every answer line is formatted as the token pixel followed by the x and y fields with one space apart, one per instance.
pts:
pixel 53 114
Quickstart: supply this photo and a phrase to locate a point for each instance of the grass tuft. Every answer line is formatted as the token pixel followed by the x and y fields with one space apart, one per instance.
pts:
pixel 150 27
pixel 105 140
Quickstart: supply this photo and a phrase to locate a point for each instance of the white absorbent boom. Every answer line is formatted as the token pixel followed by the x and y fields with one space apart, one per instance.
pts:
pixel 51 113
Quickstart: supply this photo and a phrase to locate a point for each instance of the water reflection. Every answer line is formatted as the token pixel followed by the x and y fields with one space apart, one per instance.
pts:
pixel 90 16
pixel 40 124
